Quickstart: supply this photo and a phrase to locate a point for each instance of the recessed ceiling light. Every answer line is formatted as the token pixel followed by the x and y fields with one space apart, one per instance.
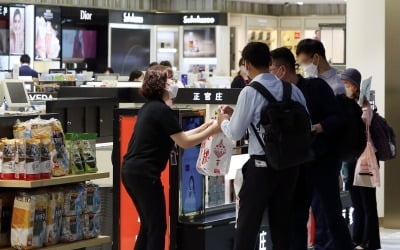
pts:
pixel 299 3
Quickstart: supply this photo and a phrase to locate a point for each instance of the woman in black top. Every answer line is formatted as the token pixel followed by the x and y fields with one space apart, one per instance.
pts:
pixel 156 130
pixel 242 79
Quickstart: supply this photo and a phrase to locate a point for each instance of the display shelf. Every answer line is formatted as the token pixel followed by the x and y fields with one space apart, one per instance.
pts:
pixel 53 181
pixel 101 240
pixel 167 50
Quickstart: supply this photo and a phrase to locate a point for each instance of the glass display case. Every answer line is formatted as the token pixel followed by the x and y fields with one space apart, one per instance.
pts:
pixel 267 36
pixel 168 45
pixel 290 39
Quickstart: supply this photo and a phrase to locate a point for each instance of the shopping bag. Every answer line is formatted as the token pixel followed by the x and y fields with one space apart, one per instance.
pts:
pixel 215 155
pixel 367 169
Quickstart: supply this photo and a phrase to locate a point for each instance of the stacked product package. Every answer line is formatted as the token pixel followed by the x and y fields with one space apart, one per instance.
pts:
pixel 49 216
pixel 37 151
pixel 40 150
pixel 82 152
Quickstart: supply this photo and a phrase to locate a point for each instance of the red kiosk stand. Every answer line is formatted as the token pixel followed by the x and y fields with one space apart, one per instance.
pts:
pixel 207 230
pixel 125 212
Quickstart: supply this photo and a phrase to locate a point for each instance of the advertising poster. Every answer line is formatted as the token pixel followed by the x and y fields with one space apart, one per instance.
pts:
pixel 47 33
pixel 199 42
pixel 17 30
pixel 192 183
pixel 130 48
pixel 79 44
pixel 3 40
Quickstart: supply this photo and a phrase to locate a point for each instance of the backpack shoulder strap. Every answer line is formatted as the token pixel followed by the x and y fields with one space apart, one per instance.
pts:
pixel 264 91
pixel 287 91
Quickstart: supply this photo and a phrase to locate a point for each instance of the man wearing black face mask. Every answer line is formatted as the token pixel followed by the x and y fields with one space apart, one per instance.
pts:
pixel 317 179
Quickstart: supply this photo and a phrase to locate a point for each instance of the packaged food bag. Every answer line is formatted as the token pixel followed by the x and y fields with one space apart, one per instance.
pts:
pixel 6 207
pixel 47 153
pixel 22 130
pixel 20 159
pixel 75 160
pixel 72 228
pixel 93 200
pixel 87 149
pixel 28 224
pixel 91 226
pixel 215 155
pixel 40 127
pixel 33 168
pixel 9 154
pixel 54 217
pixel 73 200
pixel 60 163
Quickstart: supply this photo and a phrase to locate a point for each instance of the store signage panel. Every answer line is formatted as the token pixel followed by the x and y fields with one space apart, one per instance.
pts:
pixel 129 17
pixel 84 16
pixel 207 96
pixel 168 18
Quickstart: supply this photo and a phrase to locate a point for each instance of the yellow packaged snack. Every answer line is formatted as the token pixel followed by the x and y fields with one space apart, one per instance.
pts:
pixel 28 224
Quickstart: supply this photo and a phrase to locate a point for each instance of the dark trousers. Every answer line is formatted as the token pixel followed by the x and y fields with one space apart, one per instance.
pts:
pixel 318 184
pixel 148 196
pixel 365 214
pixel 265 188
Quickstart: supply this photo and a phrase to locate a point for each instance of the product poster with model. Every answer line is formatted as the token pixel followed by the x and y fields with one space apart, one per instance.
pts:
pixel 79 44
pixel 199 42
pixel 130 48
pixel 17 30
pixel 4 30
pixel 192 183
pixel 47 33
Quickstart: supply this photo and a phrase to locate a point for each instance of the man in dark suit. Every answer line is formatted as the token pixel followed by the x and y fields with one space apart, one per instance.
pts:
pixel 25 69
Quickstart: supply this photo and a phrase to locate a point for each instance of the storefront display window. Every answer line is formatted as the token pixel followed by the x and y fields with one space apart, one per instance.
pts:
pixel 334 39
pixel 167 45
pixel 268 37
pixel 199 42
pixel 290 39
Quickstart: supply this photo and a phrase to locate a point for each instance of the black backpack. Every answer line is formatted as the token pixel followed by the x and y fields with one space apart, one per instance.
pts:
pixel 351 138
pixel 287 139
pixel 383 138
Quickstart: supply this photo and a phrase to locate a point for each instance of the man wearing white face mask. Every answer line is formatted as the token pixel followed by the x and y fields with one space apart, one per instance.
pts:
pixel 157 129
pixel 242 78
pixel 312 59
pixel 319 177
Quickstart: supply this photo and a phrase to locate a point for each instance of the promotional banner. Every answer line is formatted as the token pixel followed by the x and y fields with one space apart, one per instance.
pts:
pixel 47 33
pixel 17 30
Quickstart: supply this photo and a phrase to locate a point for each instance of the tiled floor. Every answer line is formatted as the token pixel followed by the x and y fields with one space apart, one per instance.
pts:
pixel 390 239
